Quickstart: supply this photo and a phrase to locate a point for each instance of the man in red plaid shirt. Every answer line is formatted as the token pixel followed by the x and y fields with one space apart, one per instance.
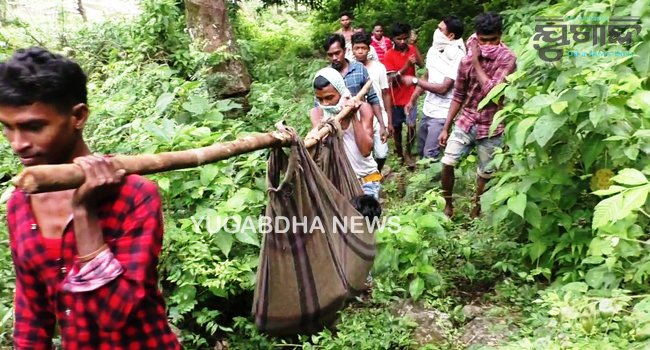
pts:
pixel 85 259
pixel 487 64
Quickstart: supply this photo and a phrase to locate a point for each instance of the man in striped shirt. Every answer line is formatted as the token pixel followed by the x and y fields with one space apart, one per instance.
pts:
pixel 380 42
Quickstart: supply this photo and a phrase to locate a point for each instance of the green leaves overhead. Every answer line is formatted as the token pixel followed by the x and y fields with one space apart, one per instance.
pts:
pixel 626 199
pixel 546 126
pixel 517 204
pixel 493 96
pixel 642 59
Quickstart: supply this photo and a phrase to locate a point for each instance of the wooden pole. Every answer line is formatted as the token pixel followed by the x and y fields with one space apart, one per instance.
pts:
pixel 58 177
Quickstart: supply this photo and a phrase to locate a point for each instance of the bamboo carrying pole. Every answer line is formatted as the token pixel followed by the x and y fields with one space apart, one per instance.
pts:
pixel 58 177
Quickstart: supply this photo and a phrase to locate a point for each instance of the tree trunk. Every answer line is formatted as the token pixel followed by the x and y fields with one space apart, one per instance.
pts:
pixel 207 21
pixel 81 10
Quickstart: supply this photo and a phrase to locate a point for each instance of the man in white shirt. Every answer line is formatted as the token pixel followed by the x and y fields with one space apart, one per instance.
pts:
pixel 349 54
pixel 443 59
pixel 361 46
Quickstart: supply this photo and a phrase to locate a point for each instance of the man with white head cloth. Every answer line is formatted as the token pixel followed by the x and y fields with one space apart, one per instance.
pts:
pixel 333 96
pixel 442 63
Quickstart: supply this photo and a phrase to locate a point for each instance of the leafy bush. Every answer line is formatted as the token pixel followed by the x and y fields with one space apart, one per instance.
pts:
pixel 431 257
pixel 422 16
pixel 280 58
pixel 574 316
pixel 568 122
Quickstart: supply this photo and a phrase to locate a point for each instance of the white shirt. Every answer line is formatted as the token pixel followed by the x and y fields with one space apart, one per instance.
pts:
pixel 441 65
pixel 372 54
pixel 378 76
pixel 362 166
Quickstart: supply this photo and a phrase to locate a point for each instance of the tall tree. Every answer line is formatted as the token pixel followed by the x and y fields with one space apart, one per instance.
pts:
pixel 207 22
pixel 82 10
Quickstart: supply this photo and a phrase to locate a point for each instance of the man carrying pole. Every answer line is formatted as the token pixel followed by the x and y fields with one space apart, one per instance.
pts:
pixel 333 96
pixel 85 258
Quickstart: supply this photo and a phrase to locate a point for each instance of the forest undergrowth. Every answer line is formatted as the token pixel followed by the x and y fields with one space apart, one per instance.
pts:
pixel 560 259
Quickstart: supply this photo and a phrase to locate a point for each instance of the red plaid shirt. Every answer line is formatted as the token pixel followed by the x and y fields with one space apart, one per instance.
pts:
pixel 126 313
pixel 468 89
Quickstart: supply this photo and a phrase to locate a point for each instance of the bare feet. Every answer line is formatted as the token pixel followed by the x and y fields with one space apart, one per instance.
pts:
pixel 409 161
pixel 449 211
pixel 476 212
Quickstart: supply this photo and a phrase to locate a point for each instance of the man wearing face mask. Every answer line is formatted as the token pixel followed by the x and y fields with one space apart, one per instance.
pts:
pixel 354 74
pixel 442 63
pixel 332 95
pixel 487 64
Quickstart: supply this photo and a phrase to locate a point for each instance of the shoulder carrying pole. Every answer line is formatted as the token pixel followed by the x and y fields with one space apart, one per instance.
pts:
pixel 58 177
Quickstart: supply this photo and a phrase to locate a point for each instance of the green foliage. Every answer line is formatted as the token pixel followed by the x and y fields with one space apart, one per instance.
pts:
pixel 158 36
pixel 574 316
pixel 357 328
pixel 407 256
pixel 429 257
pixel 422 16
pixel 280 58
pixel 625 201
pixel 365 329
pixel 568 123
